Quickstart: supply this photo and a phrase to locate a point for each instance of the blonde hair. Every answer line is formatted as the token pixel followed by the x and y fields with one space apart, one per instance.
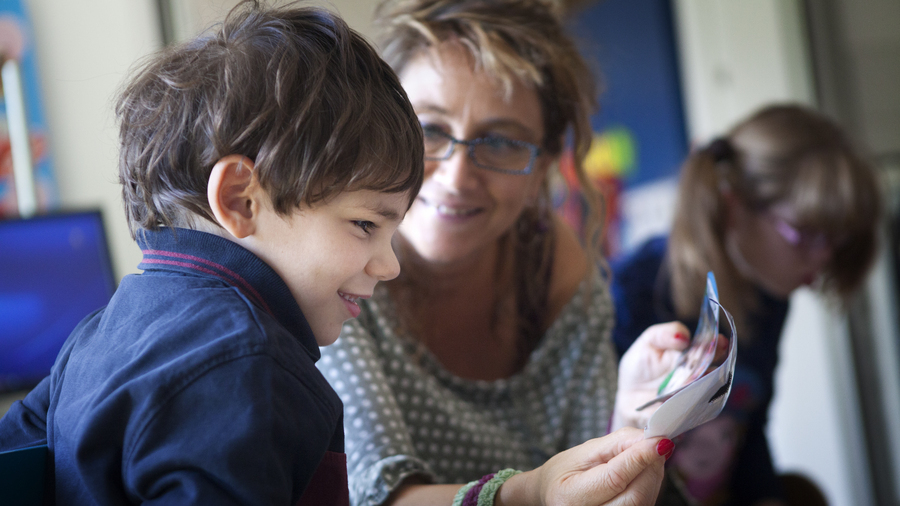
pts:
pixel 781 154
pixel 513 41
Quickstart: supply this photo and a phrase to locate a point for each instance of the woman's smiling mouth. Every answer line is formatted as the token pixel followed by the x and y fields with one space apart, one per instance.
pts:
pixel 451 211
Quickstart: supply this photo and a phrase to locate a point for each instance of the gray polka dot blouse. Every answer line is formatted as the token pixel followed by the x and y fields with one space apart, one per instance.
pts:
pixel 404 414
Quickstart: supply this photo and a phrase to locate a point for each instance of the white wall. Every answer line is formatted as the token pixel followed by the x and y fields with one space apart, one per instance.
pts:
pixel 84 50
pixel 815 426
pixel 736 56
pixel 192 16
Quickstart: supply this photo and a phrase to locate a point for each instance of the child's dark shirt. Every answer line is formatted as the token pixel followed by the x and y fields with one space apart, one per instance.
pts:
pixel 195 385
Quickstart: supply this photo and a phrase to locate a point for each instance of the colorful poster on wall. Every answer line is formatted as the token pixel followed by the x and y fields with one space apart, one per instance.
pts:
pixel 639 133
pixel 17 42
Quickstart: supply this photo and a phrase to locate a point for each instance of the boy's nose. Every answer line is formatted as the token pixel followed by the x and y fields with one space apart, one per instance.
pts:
pixel 384 266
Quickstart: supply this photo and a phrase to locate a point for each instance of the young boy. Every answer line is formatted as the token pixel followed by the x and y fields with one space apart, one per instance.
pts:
pixel 264 169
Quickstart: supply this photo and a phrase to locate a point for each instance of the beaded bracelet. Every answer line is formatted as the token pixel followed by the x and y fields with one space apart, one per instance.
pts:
pixel 482 492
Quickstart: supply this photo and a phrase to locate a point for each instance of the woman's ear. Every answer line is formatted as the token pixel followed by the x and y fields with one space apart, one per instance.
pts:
pixel 234 195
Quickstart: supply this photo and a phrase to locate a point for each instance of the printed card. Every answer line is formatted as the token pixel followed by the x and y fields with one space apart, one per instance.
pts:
pixel 690 395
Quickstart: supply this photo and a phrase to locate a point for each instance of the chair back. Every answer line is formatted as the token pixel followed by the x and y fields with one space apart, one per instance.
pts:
pixel 23 475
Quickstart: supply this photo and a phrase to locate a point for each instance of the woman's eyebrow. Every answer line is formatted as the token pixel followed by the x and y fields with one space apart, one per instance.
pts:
pixel 507 123
pixel 510 123
pixel 428 107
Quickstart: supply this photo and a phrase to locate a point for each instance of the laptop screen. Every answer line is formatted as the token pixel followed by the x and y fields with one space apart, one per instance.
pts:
pixel 54 271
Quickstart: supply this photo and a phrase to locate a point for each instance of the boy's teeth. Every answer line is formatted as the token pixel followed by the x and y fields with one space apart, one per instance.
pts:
pixel 347 297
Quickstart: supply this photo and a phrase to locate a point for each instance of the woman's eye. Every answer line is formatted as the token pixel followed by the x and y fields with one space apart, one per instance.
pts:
pixel 500 144
pixel 366 226
pixel 496 141
pixel 432 131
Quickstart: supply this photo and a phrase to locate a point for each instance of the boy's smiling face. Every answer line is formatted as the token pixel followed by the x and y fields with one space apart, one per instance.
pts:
pixel 332 254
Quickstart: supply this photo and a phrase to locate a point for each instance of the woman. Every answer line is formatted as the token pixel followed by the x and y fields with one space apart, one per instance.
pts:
pixel 782 201
pixel 492 348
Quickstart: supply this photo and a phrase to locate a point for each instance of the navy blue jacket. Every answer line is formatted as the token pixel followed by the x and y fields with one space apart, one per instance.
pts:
pixel 642 297
pixel 195 385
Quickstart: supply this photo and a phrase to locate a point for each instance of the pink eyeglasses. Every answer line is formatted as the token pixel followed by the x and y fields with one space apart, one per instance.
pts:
pixel 810 241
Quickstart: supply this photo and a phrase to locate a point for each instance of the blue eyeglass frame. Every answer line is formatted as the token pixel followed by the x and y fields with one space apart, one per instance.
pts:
pixel 470 152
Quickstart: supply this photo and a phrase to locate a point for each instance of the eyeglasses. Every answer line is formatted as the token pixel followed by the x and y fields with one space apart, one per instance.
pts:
pixel 493 153
pixel 804 239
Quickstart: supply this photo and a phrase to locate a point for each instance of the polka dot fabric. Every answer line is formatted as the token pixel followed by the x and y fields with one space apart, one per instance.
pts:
pixel 406 415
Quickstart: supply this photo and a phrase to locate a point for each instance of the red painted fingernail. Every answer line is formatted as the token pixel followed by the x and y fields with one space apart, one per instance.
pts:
pixel 681 336
pixel 665 447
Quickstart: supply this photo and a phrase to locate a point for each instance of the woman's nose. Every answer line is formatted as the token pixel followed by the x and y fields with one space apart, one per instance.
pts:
pixel 458 171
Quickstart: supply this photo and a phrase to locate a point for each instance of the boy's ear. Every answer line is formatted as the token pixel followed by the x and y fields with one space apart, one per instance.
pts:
pixel 234 196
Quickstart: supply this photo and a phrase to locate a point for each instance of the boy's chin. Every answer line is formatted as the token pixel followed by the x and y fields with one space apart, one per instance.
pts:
pixel 327 341
pixel 328 338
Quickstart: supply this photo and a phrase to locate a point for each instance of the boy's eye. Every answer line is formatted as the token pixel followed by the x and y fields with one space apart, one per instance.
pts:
pixel 366 226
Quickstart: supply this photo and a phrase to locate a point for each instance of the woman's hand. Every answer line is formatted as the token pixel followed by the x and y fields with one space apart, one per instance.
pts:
pixel 642 370
pixel 621 468
pixel 618 469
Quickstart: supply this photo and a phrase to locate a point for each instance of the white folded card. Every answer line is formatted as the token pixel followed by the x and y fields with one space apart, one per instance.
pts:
pixel 690 396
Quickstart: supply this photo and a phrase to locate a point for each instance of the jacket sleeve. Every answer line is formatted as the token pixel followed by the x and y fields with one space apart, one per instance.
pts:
pixel 244 432
pixel 25 424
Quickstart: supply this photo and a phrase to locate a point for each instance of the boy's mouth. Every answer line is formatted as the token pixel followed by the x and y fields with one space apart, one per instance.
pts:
pixel 350 302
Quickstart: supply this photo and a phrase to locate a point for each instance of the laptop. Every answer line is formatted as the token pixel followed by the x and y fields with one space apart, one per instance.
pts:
pixel 55 269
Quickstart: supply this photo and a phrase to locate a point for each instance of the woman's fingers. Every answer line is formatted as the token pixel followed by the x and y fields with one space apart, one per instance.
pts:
pixel 604 449
pixel 643 490
pixel 620 471
pixel 721 349
pixel 721 354
pixel 643 369
pixel 653 354
pixel 623 465
pixel 667 336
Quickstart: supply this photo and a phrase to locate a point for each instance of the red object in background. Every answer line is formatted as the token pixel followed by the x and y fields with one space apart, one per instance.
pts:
pixel 16 42
pixel 5 157
pixel 569 203
pixel 8 204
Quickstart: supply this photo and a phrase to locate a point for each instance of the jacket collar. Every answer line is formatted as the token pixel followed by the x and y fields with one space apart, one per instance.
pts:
pixel 208 255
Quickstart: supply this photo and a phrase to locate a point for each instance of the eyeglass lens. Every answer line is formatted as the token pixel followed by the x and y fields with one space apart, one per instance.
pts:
pixel 498 153
pixel 800 238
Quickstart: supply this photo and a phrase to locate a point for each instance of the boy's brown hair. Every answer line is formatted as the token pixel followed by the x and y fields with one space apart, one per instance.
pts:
pixel 293 88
